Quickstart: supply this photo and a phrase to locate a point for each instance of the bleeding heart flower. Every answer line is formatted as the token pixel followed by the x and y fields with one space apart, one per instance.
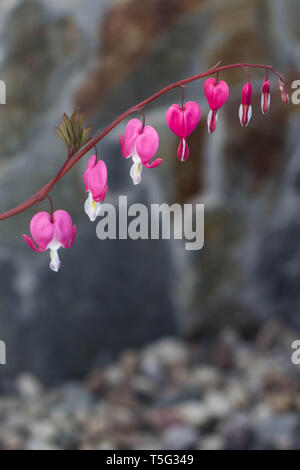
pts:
pixel 141 145
pixel 183 121
pixel 284 93
pixel 95 179
pixel 265 96
pixel 216 94
pixel 245 111
pixel 51 233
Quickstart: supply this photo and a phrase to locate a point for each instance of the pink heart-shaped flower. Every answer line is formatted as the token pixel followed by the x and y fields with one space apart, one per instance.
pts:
pixel 183 121
pixel 216 93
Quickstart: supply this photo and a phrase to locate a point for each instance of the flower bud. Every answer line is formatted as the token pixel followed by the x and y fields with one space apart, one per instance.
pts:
pixel 283 91
pixel 245 111
pixel 265 96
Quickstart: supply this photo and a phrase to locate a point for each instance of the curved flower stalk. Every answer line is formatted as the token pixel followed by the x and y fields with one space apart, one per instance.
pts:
pixel 51 233
pixel 216 93
pixel 141 144
pixel 95 179
pixel 183 121
pixel 265 96
pixel 245 111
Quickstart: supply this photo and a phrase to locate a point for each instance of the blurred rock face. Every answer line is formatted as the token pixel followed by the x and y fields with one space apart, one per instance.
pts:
pixel 240 174
pixel 111 295
pixel 108 295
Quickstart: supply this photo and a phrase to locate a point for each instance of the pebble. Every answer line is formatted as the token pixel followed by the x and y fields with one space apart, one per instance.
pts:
pixel 163 397
pixel 180 437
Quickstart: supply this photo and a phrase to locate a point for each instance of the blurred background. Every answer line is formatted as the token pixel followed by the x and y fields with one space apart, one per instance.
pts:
pixel 140 344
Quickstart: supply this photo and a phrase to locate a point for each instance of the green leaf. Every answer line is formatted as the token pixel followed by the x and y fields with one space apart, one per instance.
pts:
pixel 72 132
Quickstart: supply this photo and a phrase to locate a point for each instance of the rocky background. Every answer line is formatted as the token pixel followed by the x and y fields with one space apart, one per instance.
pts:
pixel 237 299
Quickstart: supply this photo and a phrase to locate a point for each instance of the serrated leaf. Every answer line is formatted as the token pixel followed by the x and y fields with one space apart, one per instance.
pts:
pixel 85 136
pixel 61 135
pixel 73 133
pixel 65 134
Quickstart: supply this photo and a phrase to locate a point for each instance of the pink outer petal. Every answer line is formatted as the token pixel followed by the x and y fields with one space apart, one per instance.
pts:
pixel 63 227
pixel 183 121
pixel 92 162
pixel 175 120
pixel 247 93
pixel 192 112
pixel 147 144
pixel 132 131
pixel 95 179
pixel 71 241
pixel 216 93
pixel 123 147
pixel 265 86
pixel 102 195
pixel 42 229
pixel 31 244
pixel 183 156
pixel 155 163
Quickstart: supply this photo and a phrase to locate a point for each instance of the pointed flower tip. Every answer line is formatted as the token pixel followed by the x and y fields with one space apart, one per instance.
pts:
pixel 283 91
pixel 265 96
pixel 212 121
pixel 183 151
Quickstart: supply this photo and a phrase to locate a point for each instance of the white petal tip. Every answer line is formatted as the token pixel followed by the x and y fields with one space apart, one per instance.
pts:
pixel 92 208
pixel 136 170
pixel 55 263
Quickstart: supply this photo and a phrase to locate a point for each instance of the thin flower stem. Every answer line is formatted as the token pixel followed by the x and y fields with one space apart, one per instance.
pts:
pixel 144 120
pixel 73 158
pixel 51 206
pixel 96 152
pixel 182 97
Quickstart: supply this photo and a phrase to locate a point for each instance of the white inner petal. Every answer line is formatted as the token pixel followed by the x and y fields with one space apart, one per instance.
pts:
pixel 209 117
pixel 241 113
pixel 249 113
pixel 92 208
pixel 136 169
pixel 55 262
pixel 183 149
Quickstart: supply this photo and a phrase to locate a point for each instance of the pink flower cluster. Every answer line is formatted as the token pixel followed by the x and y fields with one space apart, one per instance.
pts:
pixel 140 142
pixel 53 231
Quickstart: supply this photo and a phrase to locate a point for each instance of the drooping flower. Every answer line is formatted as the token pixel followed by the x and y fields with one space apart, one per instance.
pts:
pixel 51 233
pixel 216 93
pixel 245 111
pixel 183 121
pixel 283 91
pixel 95 179
pixel 265 96
pixel 141 144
